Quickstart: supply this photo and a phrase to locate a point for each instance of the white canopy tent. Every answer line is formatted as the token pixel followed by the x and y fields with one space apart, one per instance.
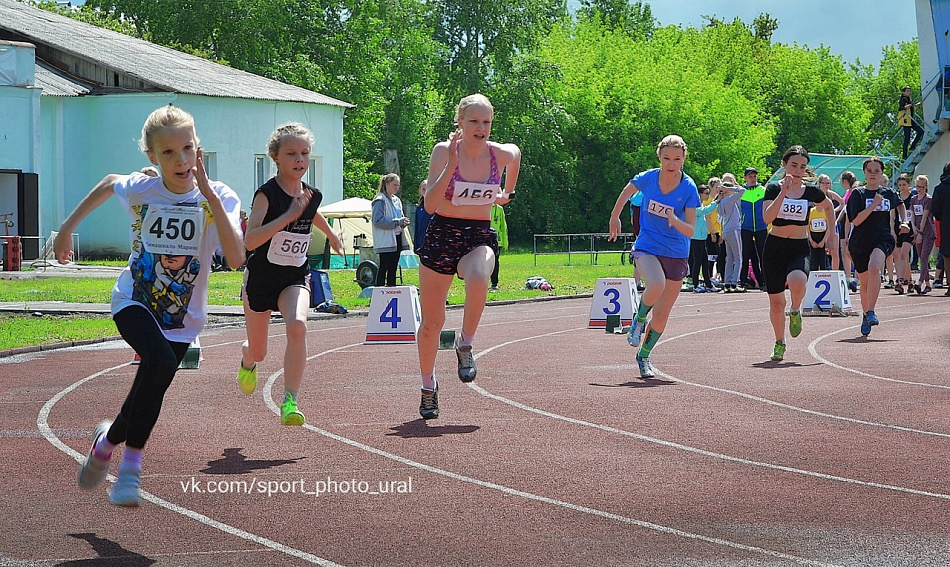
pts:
pixel 351 219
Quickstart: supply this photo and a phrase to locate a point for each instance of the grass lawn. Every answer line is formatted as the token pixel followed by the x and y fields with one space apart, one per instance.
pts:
pixel 577 276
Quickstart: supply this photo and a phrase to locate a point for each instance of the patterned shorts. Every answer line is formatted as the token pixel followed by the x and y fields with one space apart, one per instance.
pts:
pixel 448 239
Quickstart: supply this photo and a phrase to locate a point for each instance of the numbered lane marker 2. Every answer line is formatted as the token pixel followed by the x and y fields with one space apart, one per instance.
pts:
pixel 827 292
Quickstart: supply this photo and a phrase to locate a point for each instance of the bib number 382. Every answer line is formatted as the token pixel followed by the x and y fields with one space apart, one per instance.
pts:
pixel 173 229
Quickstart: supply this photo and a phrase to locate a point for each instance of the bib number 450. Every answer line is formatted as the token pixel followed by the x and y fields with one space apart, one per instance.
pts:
pixel 171 228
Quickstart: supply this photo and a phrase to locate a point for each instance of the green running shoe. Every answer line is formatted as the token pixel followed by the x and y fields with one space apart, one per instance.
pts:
pixel 247 378
pixel 778 353
pixel 289 414
pixel 795 323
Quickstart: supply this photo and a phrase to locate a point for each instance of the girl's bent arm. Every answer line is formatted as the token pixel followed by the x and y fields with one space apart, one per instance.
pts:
pixel 63 245
pixel 628 191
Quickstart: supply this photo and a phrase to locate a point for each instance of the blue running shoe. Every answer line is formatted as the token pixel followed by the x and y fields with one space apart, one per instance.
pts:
pixel 636 332
pixel 865 325
pixel 646 369
pixel 872 319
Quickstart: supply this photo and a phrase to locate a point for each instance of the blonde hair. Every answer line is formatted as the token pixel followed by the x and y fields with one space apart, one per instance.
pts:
pixel 471 100
pixel 385 180
pixel 925 179
pixel 290 129
pixel 713 181
pixel 165 117
pixel 824 177
pixel 671 141
pixel 729 178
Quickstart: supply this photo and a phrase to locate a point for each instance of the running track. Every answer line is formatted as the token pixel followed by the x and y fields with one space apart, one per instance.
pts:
pixel 557 455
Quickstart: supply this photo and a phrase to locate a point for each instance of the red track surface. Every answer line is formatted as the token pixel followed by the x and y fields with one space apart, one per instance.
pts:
pixel 557 455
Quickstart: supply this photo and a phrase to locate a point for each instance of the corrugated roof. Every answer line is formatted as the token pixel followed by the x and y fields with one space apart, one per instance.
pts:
pixel 55 83
pixel 165 68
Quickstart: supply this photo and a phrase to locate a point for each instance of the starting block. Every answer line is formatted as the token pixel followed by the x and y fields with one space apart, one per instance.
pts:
pixel 192 357
pixel 447 340
pixel 613 296
pixel 394 315
pixel 827 293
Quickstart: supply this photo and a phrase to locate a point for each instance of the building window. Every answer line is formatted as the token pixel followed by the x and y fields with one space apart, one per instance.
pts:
pixel 315 173
pixel 262 171
pixel 211 164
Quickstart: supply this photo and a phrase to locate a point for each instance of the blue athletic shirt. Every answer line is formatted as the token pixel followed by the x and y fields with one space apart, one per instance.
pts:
pixel 657 237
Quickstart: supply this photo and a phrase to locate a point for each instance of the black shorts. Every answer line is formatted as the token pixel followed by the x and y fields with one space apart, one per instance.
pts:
pixel 780 257
pixel 449 239
pixel 861 253
pixel 262 292
pixel 903 238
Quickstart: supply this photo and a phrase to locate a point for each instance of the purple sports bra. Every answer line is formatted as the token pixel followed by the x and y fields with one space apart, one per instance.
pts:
pixel 494 177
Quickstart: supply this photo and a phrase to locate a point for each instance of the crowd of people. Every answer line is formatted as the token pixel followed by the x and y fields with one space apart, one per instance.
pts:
pixel 724 236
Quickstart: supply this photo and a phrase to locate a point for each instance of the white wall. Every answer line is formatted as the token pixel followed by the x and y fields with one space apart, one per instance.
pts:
pixel 86 138
pixel 933 161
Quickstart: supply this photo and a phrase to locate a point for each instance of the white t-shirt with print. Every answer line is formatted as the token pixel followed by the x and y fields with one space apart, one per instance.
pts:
pixel 173 237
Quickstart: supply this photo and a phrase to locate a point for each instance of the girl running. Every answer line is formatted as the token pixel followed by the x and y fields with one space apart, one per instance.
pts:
pixel 661 252
pixel 277 277
pixel 177 220
pixel 465 176
pixel 786 205
pixel 871 211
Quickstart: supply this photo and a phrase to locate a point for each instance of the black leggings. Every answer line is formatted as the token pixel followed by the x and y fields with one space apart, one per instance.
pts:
pixel 388 262
pixel 699 262
pixel 160 360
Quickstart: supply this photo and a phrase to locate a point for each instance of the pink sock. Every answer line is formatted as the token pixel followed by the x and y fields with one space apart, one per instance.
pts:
pixel 103 449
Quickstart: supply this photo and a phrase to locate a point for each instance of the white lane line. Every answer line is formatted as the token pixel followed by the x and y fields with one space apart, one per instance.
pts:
pixel 812 348
pixel 266 391
pixel 687 448
pixel 42 422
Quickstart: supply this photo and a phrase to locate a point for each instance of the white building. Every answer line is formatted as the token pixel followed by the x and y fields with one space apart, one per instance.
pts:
pixel 73 98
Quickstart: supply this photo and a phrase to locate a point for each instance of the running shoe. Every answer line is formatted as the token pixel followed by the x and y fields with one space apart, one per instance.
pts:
pixel 872 319
pixel 467 369
pixel 938 285
pixel 636 332
pixel 125 491
pixel 429 406
pixel 646 369
pixel 917 288
pixel 728 289
pixel 853 286
pixel 247 378
pixel 865 325
pixel 899 287
pixel 494 288
pixel 926 290
pixel 889 284
pixel 740 289
pixel 794 323
pixel 778 353
pixel 94 470
pixel 700 289
pixel 289 415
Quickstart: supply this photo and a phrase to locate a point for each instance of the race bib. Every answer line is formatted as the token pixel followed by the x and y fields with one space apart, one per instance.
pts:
pixel 474 193
pixel 819 225
pixel 884 206
pixel 793 209
pixel 173 229
pixel 918 210
pixel 659 209
pixel 288 249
